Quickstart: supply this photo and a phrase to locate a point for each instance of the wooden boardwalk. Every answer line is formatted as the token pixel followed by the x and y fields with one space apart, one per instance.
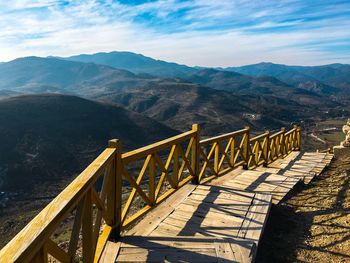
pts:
pixel 219 222
pixel 304 166
pixel 181 199
pixel 201 223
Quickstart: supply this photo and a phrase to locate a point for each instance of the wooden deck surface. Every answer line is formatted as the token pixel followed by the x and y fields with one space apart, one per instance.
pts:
pixel 219 222
pixel 263 182
pixel 301 165
pixel 209 223
pixel 184 249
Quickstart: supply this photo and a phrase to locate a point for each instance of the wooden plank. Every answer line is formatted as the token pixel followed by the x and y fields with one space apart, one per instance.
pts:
pixel 223 196
pixel 281 191
pixel 207 228
pixel 209 220
pixel 54 250
pixel 152 220
pixel 225 190
pixel 254 223
pixel 242 250
pixel 253 187
pixel 204 209
pixel 267 178
pixel 288 173
pixel 236 196
pixel 243 253
pixel 110 252
pixel 178 230
pixel 224 252
pixel 215 201
pixel 167 255
pixel 219 180
pixel 102 241
pixel 167 242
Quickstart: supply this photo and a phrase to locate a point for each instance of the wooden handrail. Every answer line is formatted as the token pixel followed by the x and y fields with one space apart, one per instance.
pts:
pixel 276 134
pixel 291 131
pixel 189 159
pixel 223 136
pixel 26 244
pixel 158 146
pixel 258 137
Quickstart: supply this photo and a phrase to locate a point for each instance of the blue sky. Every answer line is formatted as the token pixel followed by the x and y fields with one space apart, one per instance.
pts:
pixel 193 32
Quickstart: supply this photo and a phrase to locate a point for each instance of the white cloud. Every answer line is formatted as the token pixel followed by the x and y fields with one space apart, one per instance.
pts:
pixel 89 27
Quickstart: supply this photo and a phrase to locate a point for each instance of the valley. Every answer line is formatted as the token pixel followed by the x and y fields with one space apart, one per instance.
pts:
pixel 57 114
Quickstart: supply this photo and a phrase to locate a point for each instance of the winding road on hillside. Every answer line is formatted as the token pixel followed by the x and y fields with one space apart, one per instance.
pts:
pixel 317 138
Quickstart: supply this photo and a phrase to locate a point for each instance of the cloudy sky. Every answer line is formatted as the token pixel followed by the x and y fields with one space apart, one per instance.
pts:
pixel 192 32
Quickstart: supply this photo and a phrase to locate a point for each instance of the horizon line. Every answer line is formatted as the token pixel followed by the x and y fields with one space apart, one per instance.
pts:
pixel 181 64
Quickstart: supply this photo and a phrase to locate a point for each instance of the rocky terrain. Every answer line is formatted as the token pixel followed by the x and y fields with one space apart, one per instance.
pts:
pixel 313 224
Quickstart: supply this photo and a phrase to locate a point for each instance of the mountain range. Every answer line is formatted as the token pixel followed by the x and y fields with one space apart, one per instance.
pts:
pixel 325 79
pixel 136 63
pixel 137 98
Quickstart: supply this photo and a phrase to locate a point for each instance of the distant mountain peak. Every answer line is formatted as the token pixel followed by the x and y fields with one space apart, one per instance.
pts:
pixel 136 63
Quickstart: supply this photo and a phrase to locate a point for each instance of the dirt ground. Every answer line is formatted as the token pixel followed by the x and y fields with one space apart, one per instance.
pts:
pixel 313 224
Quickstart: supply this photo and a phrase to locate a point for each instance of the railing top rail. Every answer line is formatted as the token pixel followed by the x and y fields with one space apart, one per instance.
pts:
pixel 158 146
pixel 258 137
pixel 276 134
pixel 223 136
pixel 291 131
pixel 34 235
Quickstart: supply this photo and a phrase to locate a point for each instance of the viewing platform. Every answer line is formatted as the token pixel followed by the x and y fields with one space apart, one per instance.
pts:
pixel 181 199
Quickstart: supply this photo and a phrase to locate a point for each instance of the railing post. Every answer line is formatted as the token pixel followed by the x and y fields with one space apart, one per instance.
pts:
pixel 246 146
pixel 87 229
pixel 298 139
pixel 283 142
pixel 232 151
pixel 176 166
pixel 116 192
pixel 295 138
pixel 216 158
pixel 195 154
pixel 151 180
pixel 267 149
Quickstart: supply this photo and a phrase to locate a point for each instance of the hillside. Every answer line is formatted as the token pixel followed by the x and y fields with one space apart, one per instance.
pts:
pixel 135 63
pixel 336 75
pixel 262 85
pixel 38 75
pixel 328 79
pixel 51 137
pixel 53 75
pixel 179 105
pixel 8 93
pixel 232 81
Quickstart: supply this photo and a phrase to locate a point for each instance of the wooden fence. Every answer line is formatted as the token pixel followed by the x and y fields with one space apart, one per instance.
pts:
pixel 117 189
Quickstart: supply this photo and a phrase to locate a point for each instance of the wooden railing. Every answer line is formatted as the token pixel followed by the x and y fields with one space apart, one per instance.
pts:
pixel 90 209
pixel 117 189
pixel 221 154
pixel 259 150
pixel 170 164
